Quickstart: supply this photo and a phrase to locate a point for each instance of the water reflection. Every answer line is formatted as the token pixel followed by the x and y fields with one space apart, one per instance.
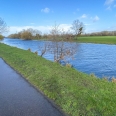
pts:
pixel 90 58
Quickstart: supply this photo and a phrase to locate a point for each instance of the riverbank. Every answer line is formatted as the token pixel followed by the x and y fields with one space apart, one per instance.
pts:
pixel 74 92
pixel 90 39
pixel 97 39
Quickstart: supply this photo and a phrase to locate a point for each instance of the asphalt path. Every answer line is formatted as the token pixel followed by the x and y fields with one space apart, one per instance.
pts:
pixel 20 98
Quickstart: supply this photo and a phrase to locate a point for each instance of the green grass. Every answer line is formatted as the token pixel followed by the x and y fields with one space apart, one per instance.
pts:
pixel 97 39
pixel 76 93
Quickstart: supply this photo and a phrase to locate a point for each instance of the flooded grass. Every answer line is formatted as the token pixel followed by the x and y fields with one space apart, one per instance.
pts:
pixel 76 93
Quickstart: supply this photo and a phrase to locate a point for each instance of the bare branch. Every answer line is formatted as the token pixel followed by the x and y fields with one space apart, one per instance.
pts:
pixel 45 48
pixel 3 26
pixel 61 49
pixel 77 27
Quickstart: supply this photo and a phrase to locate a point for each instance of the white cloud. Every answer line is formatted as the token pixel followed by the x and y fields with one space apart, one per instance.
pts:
pixel 45 10
pixel 96 18
pixel 16 29
pixel 109 2
pixel 78 9
pixel 108 8
pixel 84 16
pixel 115 6
pixel 65 27
pixel 43 29
pixel 74 13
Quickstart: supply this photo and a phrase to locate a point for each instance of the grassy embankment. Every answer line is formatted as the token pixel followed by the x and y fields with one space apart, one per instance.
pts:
pixel 97 39
pixel 76 93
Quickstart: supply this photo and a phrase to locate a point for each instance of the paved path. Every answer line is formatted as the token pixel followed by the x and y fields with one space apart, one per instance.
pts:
pixel 19 98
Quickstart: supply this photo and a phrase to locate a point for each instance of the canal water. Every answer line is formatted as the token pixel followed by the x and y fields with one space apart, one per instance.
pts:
pixel 19 98
pixel 99 59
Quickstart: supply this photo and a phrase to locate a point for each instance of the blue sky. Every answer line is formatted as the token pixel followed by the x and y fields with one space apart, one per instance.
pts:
pixel 97 15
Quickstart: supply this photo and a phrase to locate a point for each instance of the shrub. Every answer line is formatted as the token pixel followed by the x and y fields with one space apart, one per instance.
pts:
pixel 1 37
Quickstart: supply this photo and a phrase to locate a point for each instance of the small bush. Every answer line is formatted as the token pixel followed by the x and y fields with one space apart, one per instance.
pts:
pixel 92 75
pixel 106 78
pixel 36 52
pixel 68 65
pixel 113 79
pixel 29 49
pixel 1 37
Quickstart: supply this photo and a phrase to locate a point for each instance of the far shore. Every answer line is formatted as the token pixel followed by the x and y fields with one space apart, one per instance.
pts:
pixel 86 39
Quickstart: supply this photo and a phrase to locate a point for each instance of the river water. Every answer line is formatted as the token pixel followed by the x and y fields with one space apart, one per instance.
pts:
pixel 99 59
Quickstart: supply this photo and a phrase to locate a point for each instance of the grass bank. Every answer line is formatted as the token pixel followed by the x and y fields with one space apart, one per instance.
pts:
pixel 76 93
pixel 97 39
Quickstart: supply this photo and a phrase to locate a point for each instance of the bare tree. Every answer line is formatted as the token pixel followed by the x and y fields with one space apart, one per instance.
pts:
pixel 61 49
pixel 44 48
pixel 77 27
pixel 55 32
pixel 3 26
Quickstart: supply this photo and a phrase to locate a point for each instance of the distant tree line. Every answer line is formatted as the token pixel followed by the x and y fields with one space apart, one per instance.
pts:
pixel 102 33
pixel 29 34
